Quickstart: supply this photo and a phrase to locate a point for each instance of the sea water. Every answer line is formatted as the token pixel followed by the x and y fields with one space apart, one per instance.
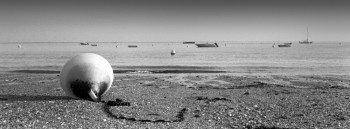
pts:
pixel 325 57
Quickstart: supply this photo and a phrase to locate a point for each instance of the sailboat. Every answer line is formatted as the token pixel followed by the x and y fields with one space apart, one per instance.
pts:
pixel 307 38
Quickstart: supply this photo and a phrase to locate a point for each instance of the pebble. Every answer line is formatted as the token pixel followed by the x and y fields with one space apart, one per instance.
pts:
pixel 246 93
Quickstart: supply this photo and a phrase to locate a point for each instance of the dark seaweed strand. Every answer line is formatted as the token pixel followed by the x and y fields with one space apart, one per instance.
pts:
pixel 179 117
pixel 107 105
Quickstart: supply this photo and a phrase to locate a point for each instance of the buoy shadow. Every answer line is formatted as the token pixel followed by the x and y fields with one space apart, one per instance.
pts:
pixel 36 71
pixel 33 98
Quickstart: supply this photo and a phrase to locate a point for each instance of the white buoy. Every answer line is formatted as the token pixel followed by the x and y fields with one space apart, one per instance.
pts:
pixel 172 52
pixel 86 76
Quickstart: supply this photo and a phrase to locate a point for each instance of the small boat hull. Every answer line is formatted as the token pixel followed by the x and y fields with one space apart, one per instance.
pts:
pixel 285 45
pixel 305 42
pixel 84 43
pixel 189 42
pixel 207 45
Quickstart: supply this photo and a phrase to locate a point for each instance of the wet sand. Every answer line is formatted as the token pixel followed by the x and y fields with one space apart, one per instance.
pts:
pixel 177 100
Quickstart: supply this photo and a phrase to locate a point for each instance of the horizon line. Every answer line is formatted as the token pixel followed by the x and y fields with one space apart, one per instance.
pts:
pixel 245 41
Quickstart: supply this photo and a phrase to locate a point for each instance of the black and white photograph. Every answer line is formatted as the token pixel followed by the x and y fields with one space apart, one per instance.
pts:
pixel 174 64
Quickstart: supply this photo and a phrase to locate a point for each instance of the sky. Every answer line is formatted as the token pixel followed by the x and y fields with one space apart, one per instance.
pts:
pixel 177 20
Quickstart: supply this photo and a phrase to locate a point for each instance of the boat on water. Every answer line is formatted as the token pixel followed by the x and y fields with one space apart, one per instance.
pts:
pixel 307 38
pixel 132 46
pixel 84 43
pixel 285 45
pixel 207 45
pixel 94 45
pixel 189 42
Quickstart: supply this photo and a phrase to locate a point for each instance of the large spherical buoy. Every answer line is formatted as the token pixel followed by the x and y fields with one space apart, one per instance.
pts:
pixel 86 76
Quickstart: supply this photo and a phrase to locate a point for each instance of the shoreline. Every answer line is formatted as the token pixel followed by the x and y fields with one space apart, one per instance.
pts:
pixel 337 70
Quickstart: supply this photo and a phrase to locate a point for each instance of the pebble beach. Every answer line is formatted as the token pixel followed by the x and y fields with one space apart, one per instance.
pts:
pixel 197 100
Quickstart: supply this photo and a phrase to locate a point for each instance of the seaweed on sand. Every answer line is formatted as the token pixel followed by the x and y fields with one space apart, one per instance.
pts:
pixel 107 105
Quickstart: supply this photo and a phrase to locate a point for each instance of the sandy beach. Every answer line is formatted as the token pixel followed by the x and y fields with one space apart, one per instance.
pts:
pixel 178 100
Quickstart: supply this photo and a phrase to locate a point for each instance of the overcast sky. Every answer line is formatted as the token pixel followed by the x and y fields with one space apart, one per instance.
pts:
pixel 165 20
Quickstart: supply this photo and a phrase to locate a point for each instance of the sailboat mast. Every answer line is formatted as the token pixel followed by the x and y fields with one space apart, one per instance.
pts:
pixel 307 34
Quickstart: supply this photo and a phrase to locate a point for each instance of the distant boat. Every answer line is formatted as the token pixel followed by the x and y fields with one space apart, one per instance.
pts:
pixel 19 46
pixel 94 45
pixel 84 43
pixel 132 46
pixel 172 52
pixel 307 38
pixel 285 45
pixel 189 42
pixel 207 45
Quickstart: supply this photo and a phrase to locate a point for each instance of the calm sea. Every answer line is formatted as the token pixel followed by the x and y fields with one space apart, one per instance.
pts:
pixel 316 58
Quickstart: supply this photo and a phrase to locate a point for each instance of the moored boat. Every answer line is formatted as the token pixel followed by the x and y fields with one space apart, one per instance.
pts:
pixel 84 43
pixel 207 45
pixel 307 38
pixel 189 42
pixel 285 45
pixel 132 46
